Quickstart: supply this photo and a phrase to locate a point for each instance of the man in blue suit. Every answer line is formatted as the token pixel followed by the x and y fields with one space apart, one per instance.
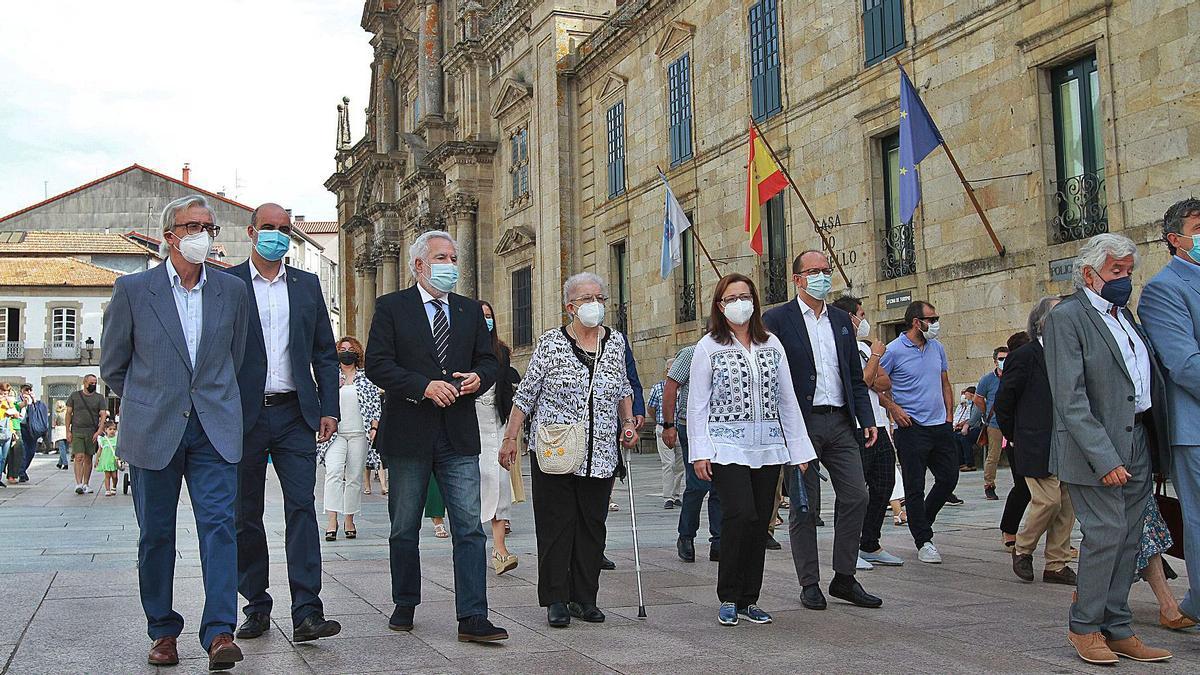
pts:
pixel 173 340
pixel 822 349
pixel 289 341
pixel 1170 312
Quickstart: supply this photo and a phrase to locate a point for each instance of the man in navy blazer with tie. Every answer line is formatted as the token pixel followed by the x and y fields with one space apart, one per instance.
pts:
pixel 822 350
pixel 290 340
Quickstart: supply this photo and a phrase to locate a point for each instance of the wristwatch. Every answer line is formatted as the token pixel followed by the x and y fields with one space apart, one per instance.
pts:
pixel 668 425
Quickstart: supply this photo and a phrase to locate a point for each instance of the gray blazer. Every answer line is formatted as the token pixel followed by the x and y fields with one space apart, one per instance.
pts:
pixel 1094 395
pixel 144 359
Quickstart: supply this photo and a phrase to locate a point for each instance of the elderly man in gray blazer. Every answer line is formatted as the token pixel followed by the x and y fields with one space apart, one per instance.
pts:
pixel 1108 414
pixel 173 341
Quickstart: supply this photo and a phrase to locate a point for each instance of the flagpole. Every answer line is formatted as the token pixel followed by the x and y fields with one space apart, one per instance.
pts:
pixel 987 225
pixel 824 241
pixel 695 232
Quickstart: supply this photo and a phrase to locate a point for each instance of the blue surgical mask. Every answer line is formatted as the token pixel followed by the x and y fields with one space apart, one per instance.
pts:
pixel 1117 291
pixel 443 276
pixel 491 323
pixel 819 285
pixel 1194 251
pixel 272 244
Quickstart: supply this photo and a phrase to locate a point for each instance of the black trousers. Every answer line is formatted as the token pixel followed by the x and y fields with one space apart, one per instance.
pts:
pixel 931 448
pixel 1017 501
pixel 879 470
pixel 568 515
pixel 747 501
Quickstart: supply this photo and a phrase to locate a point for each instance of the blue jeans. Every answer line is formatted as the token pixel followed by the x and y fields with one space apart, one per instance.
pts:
pixel 5 444
pixel 458 477
pixel 64 457
pixel 1186 477
pixel 693 498
pixel 30 442
pixel 212 486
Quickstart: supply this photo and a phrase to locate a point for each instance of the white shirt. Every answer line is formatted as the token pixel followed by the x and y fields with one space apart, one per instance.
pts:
pixel 820 336
pixel 742 408
pixel 881 419
pixel 427 300
pixel 274 314
pixel 351 421
pixel 190 306
pixel 1133 350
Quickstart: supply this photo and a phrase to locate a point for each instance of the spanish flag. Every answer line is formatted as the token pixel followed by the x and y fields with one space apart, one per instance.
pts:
pixel 765 180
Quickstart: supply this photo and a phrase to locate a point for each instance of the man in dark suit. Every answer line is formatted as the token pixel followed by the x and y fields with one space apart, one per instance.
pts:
pixel 1025 413
pixel 431 351
pixel 822 350
pixel 290 340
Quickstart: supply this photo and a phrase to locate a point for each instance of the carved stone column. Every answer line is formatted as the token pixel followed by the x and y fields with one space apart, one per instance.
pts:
pixel 460 219
pixel 429 58
pixel 389 269
pixel 364 270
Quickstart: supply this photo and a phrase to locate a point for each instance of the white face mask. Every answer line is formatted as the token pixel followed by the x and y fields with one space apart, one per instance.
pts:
pixel 739 311
pixel 932 332
pixel 194 247
pixel 590 314
pixel 864 329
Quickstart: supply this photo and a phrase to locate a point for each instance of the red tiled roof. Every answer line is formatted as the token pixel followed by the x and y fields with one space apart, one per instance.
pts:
pixel 318 226
pixel 127 169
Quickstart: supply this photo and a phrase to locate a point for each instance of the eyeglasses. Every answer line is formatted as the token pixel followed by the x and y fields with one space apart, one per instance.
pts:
pixel 286 229
pixel 733 298
pixel 197 227
pixel 930 319
pixel 817 270
pixel 590 298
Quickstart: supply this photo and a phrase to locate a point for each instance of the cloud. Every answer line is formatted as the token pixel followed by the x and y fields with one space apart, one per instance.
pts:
pixel 250 88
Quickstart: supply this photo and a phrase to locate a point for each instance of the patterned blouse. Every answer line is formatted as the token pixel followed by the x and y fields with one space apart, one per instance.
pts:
pixel 742 408
pixel 556 383
pixel 368 404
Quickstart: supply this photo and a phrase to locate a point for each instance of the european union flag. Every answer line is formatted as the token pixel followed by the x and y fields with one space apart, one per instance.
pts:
pixel 918 137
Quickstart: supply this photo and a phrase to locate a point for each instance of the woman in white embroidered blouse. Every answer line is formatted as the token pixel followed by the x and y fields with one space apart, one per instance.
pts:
pixel 744 424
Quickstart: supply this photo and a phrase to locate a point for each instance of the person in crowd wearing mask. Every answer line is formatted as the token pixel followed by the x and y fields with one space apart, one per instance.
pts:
pixel 922 405
pixel 967 418
pixel 671 458
pixel 345 453
pixel 577 377
pixel 87 411
pixel 174 339
pixel 822 352
pixel 431 352
pixel 746 426
pixel 1018 497
pixel 878 460
pixel 58 434
pixel 1170 311
pixel 495 482
pixel 285 414
pixel 985 400
pixel 1110 420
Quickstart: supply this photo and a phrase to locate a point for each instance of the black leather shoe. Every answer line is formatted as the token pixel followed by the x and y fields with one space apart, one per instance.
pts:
pixel 686 548
pixel 315 626
pixel 714 553
pixel 557 615
pixel 812 597
pixel 256 624
pixel 848 589
pixel 589 613
pixel 1023 566
pixel 772 545
pixel 402 619
pixel 607 564
pixel 479 629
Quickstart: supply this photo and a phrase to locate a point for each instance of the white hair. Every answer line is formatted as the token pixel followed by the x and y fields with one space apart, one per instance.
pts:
pixel 577 280
pixel 420 248
pixel 1098 249
pixel 181 204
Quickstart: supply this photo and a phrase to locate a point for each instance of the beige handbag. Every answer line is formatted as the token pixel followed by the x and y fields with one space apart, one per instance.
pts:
pixel 562 448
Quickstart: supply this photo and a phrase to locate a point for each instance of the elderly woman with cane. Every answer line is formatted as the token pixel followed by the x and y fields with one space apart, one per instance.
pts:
pixel 578 394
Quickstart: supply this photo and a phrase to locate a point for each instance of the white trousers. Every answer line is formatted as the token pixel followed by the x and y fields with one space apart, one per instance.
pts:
pixel 344 463
pixel 672 466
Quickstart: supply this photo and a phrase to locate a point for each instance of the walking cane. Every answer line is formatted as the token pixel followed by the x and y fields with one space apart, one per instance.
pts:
pixel 637 558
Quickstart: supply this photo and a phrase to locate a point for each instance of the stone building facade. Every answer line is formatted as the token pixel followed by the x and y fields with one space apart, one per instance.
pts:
pixel 534 132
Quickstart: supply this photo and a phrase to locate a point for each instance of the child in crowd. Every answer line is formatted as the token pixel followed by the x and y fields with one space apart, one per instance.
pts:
pixel 107 461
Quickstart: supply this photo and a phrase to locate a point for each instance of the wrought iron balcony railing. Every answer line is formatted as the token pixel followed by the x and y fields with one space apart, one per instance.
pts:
pixel 777 281
pixel 899 258
pixel 63 350
pixel 621 320
pixel 12 351
pixel 1082 208
pixel 687 303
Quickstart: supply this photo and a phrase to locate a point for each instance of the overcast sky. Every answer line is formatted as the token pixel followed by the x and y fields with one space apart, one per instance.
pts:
pixel 252 87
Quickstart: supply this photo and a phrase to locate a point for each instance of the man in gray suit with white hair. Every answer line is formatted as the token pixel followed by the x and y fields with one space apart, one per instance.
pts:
pixel 173 341
pixel 1109 421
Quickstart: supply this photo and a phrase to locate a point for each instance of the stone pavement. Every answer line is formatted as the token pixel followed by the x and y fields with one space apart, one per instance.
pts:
pixel 71 604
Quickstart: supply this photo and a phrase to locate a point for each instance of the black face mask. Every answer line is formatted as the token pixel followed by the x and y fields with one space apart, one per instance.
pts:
pixel 348 358
pixel 91 388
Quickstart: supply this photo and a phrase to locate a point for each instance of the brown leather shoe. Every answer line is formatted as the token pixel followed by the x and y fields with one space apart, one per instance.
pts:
pixel 163 652
pixel 1091 647
pixel 223 652
pixel 1175 624
pixel 1132 648
pixel 1066 576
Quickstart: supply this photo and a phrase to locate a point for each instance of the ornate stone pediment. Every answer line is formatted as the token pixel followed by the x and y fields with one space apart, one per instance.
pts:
pixel 514 239
pixel 511 93
pixel 613 85
pixel 678 33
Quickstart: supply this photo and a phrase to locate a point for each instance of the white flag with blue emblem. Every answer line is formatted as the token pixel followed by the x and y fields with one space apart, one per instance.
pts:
pixel 675 222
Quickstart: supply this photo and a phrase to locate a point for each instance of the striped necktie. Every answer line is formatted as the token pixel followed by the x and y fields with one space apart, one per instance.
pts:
pixel 441 330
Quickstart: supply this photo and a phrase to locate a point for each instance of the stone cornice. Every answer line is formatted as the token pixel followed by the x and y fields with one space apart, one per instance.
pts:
pixel 461 204
pixel 461 152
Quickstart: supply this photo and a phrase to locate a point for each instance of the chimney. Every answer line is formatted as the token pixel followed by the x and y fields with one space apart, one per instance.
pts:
pixel 187 173
pixel 298 219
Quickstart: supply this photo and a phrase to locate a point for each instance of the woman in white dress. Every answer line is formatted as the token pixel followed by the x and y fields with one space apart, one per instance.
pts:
pixel 492 408
pixel 345 453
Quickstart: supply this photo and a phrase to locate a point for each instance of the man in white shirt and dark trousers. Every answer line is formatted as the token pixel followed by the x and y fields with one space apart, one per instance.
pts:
pixel 823 357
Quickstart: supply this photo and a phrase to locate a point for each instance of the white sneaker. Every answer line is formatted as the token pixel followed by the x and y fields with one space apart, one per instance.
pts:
pixel 863 564
pixel 87 489
pixel 79 488
pixel 929 554
pixel 880 557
